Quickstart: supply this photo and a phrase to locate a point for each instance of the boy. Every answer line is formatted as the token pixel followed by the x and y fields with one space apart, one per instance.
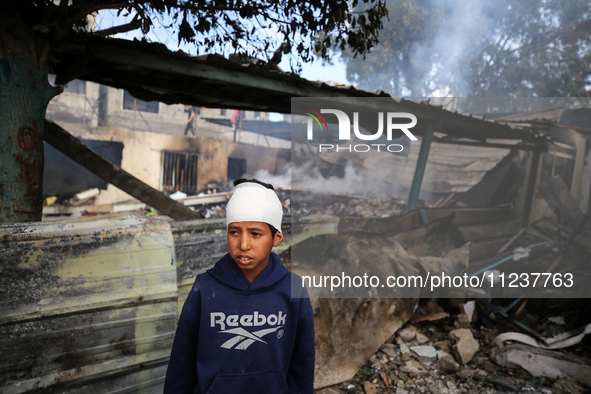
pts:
pixel 240 331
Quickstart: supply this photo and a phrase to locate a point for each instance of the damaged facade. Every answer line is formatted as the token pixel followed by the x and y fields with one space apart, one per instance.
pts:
pixel 108 289
pixel 148 140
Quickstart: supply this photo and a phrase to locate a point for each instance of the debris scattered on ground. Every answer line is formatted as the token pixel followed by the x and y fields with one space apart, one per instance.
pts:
pixel 467 360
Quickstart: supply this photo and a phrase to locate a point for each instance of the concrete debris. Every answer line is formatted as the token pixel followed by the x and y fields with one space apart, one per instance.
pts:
pixel 544 363
pixel 424 353
pixel 414 368
pixel 405 353
pixel 342 343
pixel 446 363
pixel 389 349
pixel 407 334
pixel 444 346
pixel 369 388
pixel 568 386
pixel 465 345
pixel 421 338
pixel 462 321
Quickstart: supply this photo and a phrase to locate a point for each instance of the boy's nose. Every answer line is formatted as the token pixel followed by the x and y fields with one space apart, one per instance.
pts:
pixel 244 242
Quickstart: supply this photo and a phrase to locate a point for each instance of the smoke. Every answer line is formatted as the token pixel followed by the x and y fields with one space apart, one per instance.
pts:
pixel 375 180
pixel 281 181
pixel 461 34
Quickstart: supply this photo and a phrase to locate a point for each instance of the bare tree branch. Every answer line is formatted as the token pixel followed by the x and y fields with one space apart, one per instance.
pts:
pixel 89 9
pixel 136 23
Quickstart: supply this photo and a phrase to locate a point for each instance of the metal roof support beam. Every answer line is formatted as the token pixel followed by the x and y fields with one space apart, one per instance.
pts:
pixel 531 184
pixel 487 144
pixel 104 169
pixel 417 179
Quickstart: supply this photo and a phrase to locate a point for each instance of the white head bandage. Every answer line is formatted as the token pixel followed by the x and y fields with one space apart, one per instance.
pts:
pixel 252 202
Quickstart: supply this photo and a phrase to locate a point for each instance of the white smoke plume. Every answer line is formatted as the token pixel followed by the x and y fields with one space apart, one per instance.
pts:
pixel 281 181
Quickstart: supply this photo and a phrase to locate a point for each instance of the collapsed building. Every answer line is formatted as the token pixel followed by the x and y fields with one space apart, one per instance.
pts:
pixel 93 303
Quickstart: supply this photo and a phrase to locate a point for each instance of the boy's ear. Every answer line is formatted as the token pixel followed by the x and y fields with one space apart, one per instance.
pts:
pixel 278 238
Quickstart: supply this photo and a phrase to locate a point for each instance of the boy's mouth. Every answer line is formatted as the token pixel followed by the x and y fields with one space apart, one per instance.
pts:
pixel 243 259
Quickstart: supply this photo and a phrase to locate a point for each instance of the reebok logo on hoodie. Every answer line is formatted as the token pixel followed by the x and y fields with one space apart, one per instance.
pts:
pixel 242 338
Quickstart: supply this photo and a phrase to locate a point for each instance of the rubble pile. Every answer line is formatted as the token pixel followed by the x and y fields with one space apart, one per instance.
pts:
pixel 435 352
pixel 367 205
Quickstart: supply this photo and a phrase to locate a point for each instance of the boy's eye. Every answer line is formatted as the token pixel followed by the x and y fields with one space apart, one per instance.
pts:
pixel 256 234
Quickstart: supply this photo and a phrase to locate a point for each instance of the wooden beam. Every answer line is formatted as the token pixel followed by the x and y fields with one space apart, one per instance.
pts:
pixel 104 169
pixel 531 186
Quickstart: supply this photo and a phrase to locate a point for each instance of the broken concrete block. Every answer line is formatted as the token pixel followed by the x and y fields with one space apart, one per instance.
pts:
pixel 465 347
pixel 404 350
pixel 369 388
pixel 413 367
pixel 425 353
pixel 545 363
pixel 443 345
pixel 389 349
pixel 446 363
pixel 462 321
pixel 421 338
pixel 407 334
pixel 466 373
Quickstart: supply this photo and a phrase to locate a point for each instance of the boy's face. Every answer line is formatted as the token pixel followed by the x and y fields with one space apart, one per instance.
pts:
pixel 250 245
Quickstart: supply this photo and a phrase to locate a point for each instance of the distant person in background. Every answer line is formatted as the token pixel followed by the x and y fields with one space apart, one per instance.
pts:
pixel 190 128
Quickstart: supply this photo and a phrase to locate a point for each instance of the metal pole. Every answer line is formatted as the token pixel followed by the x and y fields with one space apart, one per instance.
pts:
pixel 417 180
pixel 531 186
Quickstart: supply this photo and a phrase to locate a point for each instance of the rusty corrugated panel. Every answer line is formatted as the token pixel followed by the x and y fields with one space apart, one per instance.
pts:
pixel 199 244
pixel 86 305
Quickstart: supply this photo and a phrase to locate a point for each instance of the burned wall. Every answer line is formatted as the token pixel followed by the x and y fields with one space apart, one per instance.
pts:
pixel 143 153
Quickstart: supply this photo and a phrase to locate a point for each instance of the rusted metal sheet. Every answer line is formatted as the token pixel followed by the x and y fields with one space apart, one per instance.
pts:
pixel 86 305
pixel 199 244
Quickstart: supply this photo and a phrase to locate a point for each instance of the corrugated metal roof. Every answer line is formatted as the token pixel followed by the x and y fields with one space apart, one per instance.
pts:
pixel 152 72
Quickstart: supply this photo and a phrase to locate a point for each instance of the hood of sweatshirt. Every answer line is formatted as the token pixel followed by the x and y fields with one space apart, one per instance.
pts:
pixel 227 273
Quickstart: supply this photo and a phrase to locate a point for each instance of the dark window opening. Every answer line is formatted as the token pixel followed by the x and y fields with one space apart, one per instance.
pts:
pixel 223 112
pixel 179 172
pixel 236 169
pixel 133 104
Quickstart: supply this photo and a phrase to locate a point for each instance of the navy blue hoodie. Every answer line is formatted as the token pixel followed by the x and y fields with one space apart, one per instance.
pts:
pixel 237 337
